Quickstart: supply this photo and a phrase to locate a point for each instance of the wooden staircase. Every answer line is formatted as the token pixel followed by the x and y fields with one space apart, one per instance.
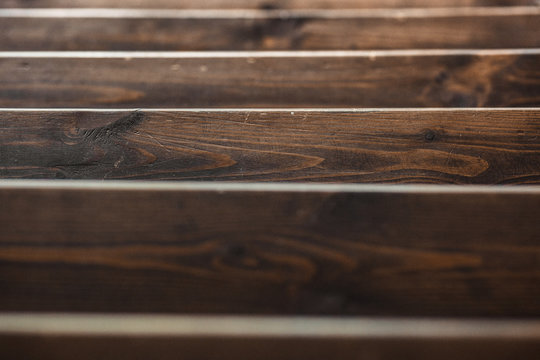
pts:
pixel 265 179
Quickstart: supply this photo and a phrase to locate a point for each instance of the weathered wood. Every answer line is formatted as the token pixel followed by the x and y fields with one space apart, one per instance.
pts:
pixel 240 30
pixel 428 78
pixel 258 4
pixel 269 249
pixel 448 146
pixel 59 337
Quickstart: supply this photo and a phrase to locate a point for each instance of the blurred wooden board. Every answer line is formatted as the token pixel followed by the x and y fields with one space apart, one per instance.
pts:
pixel 269 248
pixel 122 29
pixel 400 78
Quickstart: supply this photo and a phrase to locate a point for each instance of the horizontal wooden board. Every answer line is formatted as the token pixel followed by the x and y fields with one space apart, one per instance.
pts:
pixel 433 146
pixel 59 337
pixel 260 4
pixel 428 78
pixel 243 30
pixel 269 249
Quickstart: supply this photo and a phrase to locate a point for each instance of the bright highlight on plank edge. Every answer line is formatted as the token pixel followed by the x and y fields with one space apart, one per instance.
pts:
pixel 404 13
pixel 262 110
pixel 262 186
pixel 231 326
pixel 262 54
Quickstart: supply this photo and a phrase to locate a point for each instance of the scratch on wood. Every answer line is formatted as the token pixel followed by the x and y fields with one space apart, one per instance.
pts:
pixel 117 127
pixel 156 140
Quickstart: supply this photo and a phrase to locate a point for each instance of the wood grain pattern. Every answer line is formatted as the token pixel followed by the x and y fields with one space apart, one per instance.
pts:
pixel 59 337
pixel 280 249
pixel 458 146
pixel 261 4
pixel 272 33
pixel 259 79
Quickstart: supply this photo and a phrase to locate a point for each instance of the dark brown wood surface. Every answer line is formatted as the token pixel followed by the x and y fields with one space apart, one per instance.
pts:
pixel 61 337
pixel 330 79
pixel 449 146
pixel 269 249
pixel 46 347
pixel 273 32
pixel 261 4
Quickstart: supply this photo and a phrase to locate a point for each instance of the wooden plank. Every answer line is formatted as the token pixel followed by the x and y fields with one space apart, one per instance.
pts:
pixel 59 337
pixel 269 249
pixel 399 78
pixel 87 29
pixel 430 146
pixel 258 4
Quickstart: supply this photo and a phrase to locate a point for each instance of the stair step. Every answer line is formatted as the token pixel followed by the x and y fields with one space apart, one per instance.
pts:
pixel 124 29
pixel 394 78
pixel 401 250
pixel 470 146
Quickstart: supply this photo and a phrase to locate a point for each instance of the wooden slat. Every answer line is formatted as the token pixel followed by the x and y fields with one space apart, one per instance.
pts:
pixel 428 78
pixel 269 249
pixel 434 146
pixel 241 30
pixel 59 337
pixel 260 4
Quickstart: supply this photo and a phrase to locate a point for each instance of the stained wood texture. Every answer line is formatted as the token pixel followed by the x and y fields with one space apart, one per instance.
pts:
pixel 269 249
pixel 430 78
pixel 261 4
pixel 58 337
pixel 463 147
pixel 31 30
